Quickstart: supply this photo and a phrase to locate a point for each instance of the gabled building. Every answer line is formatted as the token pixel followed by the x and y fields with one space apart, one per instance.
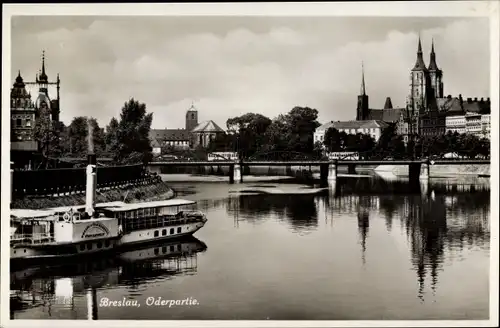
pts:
pixel 205 133
pixel 193 135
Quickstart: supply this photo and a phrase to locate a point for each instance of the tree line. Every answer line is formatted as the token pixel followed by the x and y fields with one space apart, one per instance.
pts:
pixel 252 134
pixel 125 140
pixel 391 144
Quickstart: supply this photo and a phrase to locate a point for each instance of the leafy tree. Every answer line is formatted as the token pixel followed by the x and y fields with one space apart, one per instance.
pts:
pixel 77 142
pixel 247 133
pixel 333 140
pixel 47 134
pixel 132 134
pixel 277 135
pixel 302 122
pixel 111 136
pixel 223 143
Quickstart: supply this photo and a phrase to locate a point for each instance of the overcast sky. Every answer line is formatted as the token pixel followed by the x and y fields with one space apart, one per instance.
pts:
pixel 232 65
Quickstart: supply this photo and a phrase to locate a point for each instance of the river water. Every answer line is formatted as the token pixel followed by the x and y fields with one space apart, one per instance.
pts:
pixel 364 249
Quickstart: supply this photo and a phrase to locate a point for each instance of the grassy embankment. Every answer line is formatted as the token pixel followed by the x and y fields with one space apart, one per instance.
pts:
pixel 141 193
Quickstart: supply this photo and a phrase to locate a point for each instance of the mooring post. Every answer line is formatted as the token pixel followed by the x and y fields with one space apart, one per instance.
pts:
pixel 332 170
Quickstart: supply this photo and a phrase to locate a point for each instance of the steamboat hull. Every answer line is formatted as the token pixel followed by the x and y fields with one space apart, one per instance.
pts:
pixel 27 255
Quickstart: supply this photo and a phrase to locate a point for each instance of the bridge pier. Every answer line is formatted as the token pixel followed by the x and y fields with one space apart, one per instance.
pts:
pixel 332 188
pixel 235 174
pixel 351 169
pixel 323 173
pixel 419 172
pixel 425 170
pixel 332 171
pixel 414 173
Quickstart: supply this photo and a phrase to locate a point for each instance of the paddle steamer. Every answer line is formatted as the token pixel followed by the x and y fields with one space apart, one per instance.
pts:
pixel 92 228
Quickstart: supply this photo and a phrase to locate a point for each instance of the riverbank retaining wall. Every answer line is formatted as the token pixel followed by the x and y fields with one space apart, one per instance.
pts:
pixel 440 170
pixel 130 193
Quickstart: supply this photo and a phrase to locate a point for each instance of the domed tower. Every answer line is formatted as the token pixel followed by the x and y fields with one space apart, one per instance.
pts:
pixel 22 112
pixel 191 118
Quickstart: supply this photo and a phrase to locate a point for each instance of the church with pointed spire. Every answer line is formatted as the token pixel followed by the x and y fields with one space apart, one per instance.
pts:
pixel 427 112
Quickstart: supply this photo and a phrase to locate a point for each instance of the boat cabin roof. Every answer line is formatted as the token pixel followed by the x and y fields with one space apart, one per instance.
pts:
pixel 78 207
pixel 161 203
pixel 31 214
pixel 110 206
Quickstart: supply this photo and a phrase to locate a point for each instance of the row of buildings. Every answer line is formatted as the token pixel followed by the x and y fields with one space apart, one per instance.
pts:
pixel 427 112
pixel 25 111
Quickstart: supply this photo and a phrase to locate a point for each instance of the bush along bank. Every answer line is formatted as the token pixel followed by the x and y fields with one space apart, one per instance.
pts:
pixel 130 194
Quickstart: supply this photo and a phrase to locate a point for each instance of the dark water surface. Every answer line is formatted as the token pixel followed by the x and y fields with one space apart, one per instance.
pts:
pixel 367 249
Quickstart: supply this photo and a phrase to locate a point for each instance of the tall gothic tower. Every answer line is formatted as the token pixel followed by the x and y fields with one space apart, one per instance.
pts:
pixel 417 98
pixel 362 110
pixel 191 118
pixel 435 75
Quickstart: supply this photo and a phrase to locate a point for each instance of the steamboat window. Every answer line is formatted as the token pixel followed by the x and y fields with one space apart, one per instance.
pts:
pixel 89 246
pixel 172 248
pixel 106 243
pixel 99 244
pixel 164 232
pixel 179 247
pixel 179 230
pixel 157 233
pixel 172 231
pixel 164 249
pixel 82 247
pixel 157 251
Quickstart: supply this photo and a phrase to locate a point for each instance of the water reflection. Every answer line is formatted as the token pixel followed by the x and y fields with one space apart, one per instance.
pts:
pixel 69 289
pixel 448 216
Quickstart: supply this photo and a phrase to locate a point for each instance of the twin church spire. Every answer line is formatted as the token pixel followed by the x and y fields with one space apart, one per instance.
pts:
pixel 420 64
pixel 425 87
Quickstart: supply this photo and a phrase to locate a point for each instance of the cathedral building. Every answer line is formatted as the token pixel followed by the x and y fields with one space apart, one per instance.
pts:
pixel 193 135
pixel 427 110
pixel 25 113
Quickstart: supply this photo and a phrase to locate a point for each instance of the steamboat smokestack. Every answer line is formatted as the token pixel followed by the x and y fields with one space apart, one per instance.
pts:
pixel 91 173
pixel 91 184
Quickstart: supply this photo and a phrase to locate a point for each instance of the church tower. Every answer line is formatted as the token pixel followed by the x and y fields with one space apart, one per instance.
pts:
pixel 191 118
pixel 435 75
pixel 362 110
pixel 419 82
